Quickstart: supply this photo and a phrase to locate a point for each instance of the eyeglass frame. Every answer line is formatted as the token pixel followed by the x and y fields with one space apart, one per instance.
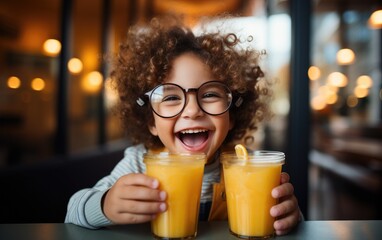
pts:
pixel 141 102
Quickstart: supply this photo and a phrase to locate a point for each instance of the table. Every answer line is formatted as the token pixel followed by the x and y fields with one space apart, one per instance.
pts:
pixel 311 230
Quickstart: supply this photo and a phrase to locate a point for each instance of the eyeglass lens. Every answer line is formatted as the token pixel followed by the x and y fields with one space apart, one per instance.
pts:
pixel 168 100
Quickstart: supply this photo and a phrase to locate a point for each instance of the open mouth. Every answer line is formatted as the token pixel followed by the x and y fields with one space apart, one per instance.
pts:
pixel 193 138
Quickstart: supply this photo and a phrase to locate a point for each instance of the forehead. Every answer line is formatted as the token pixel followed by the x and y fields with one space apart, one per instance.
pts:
pixel 189 71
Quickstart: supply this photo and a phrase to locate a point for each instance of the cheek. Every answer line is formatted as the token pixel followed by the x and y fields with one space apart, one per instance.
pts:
pixel 162 126
pixel 153 127
pixel 231 123
pixel 224 124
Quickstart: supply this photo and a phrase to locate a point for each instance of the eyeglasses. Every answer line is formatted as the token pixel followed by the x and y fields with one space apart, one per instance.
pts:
pixel 168 100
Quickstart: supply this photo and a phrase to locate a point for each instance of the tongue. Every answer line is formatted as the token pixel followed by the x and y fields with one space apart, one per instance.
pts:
pixel 194 139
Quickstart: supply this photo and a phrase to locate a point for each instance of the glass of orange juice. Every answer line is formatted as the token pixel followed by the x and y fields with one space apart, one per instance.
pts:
pixel 180 175
pixel 249 181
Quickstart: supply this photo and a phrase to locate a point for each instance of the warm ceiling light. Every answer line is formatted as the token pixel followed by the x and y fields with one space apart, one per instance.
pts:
pixel 92 82
pixel 75 65
pixel 352 101
pixel 331 99
pixel 329 93
pixel 327 90
pixel 38 84
pixel 314 73
pixel 13 82
pixel 345 56
pixel 337 79
pixel 318 103
pixel 52 47
pixel 375 20
pixel 361 92
pixel 364 81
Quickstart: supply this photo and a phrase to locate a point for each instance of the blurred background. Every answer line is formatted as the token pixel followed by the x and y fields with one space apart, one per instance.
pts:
pixel 56 106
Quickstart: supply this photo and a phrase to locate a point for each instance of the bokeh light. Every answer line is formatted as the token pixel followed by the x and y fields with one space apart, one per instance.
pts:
pixel 52 47
pixel 345 56
pixel 38 84
pixel 314 73
pixel 318 103
pixel 92 82
pixel 364 81
pixel 337 79
pixel 75 65
pixel 360 92
pixel 14 82
pixel 352 101
pixel 329 93
pixel 375 20
pixel 332 99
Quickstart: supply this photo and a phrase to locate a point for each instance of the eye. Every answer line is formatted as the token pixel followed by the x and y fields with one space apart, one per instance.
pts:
pixel 212 95
pixel 170 98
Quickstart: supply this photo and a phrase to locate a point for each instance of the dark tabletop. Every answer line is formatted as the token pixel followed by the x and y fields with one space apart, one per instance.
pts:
pixel 311 230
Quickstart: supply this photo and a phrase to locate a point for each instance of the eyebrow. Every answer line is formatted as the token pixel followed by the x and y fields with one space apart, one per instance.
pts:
pixel 170 87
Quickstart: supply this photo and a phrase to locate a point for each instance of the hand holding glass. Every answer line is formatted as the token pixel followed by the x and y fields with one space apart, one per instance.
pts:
pixel 249 183
pixel 180 175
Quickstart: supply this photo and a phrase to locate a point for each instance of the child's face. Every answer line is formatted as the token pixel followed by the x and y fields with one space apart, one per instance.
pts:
pixel 208 132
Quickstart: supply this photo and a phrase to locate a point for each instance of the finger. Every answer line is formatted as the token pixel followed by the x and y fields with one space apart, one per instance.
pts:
pixel 283 190
pixel 284 207
pixel 142 193
pixel 282 232
pixel 140 179
pixel 145 208
pixel 284 225
pixel 284 177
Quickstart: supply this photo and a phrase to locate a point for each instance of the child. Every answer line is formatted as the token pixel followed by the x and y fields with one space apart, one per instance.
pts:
pixel 184 93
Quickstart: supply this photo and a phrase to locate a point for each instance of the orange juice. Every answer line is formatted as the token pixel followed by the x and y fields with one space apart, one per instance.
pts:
pixel 181 177
pixel 249 183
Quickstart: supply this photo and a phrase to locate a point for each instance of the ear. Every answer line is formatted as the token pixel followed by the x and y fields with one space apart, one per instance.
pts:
pixel 153 129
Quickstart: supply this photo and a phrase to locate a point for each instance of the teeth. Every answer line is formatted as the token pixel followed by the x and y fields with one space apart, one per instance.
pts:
pixel 193 131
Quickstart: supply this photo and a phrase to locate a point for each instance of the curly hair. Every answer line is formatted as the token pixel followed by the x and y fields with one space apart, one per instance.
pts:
pixel 145 60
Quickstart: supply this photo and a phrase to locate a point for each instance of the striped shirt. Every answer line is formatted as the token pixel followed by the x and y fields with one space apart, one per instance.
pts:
pixel 84 207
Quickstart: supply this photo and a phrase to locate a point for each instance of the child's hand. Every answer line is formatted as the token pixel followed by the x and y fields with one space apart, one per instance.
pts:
pixel 286 211
pixel 134 198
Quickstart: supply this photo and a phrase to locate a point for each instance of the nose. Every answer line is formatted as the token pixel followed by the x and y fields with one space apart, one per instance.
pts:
pixel 192 109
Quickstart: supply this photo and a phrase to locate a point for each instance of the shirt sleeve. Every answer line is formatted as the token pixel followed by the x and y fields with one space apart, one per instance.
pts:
pixel 84 207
